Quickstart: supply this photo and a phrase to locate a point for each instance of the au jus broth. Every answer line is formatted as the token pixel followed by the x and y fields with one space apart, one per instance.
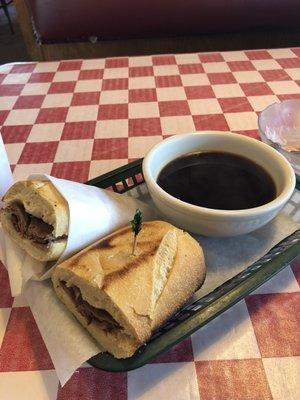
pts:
pixel 217 180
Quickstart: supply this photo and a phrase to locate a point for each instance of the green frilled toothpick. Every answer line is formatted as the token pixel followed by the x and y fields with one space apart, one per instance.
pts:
pixel 136 225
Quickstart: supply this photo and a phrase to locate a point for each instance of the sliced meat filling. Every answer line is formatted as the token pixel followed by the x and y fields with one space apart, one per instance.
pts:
pixel 92 314
pixel 30 227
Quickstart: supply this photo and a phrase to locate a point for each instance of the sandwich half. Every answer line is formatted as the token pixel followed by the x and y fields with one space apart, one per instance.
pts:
pixel 120 298
pixel 36 217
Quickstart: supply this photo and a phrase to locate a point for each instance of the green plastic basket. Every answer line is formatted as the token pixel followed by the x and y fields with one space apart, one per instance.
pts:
pixel 203 310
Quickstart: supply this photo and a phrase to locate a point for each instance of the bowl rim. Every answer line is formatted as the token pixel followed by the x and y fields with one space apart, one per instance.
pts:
pixel 185 207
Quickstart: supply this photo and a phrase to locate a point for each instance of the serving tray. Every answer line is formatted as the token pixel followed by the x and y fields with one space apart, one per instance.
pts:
pixel 200 312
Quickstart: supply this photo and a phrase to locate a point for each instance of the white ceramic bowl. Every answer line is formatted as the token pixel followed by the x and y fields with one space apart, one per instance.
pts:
pixel 207 221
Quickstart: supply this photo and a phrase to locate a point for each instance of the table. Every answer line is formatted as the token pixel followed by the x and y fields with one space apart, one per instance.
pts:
pixel 79 119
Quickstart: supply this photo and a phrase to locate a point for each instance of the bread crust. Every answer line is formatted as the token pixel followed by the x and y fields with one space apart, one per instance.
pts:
pixel 42 200
pixel 140 292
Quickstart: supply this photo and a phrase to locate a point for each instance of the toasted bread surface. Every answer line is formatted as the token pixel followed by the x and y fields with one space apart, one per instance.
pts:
pixel 139 291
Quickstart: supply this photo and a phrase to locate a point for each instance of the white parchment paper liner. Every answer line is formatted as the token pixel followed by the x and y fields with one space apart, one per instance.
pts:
pixel 93 213
pixel 225 257
pixel 67 342
pixel 6 177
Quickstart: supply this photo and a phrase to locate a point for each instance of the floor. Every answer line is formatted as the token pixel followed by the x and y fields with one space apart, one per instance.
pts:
pixel 12 47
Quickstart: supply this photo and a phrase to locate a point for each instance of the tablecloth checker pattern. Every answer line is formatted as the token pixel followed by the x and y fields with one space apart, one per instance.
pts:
pixel 78 119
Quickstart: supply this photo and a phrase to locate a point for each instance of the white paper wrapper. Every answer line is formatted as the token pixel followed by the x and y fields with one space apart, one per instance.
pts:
pixel 93 214
pixel 68 343
pixel 6 178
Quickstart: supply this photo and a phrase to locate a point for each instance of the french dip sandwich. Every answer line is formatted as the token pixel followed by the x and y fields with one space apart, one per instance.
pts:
pixel 120 298
pixel 36 217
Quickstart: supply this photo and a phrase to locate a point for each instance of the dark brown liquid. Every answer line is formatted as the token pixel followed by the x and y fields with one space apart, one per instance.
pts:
pixel 217 180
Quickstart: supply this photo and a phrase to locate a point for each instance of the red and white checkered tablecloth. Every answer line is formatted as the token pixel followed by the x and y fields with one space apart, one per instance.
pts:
pixel 79 119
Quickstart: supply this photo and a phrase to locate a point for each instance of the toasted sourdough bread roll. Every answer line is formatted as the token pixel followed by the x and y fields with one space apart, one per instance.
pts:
pixel 120 298
pixel 36 217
